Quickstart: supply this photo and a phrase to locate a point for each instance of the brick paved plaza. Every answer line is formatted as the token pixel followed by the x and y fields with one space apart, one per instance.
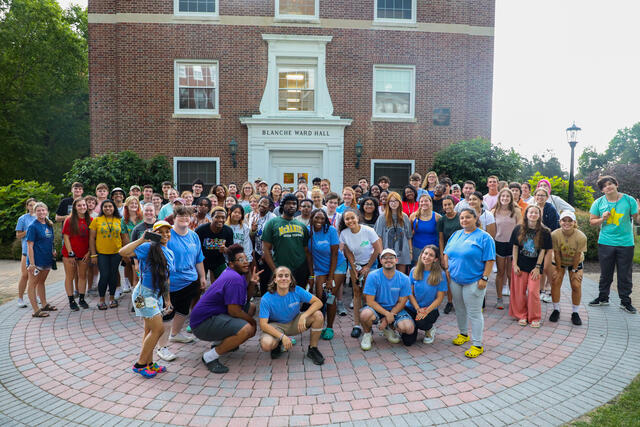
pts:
pixel 75 369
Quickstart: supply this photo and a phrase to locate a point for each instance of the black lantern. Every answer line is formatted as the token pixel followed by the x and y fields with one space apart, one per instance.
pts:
pixel 572 139
pixel 233 150
pixel 359 148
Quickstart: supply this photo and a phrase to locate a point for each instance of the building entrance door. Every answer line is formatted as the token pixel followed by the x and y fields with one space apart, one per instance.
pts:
pixel 286 167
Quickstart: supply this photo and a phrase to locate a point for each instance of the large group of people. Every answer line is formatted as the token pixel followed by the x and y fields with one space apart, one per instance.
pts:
pixel 205 265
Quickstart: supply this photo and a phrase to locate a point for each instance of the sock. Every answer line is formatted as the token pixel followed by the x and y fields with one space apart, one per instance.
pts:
pixel 81 297
pixel 138 366
pixel 464 335
pixel 575 308
pixel 210 355
pixel 556 306
pixel 71 299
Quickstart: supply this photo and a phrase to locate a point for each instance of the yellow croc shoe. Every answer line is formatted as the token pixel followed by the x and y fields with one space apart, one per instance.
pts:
pixel 474 352
pixel 460 339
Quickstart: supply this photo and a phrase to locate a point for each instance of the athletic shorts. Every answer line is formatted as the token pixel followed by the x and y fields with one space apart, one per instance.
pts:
pixel 288 329
pixel 181 299
pixel 220 326
pixel 504 249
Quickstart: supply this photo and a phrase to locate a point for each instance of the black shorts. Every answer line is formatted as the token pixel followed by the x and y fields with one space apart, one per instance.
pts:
pixel 504 249
pixel 181 300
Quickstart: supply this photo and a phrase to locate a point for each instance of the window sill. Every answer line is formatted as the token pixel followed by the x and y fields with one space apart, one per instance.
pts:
pixel 195 116
pixel 196 17
pixel 296 19
pixel 384 23
pixel 395 119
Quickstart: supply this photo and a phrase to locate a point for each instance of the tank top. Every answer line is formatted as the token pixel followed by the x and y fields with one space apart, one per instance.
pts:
pixel 504 227
pixel 425 232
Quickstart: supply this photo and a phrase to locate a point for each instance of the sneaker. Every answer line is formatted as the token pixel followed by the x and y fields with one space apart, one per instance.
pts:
pixel 277 352
pixel 156 368
pixel 73 306
pixel 499 304
pixel 76 294
pixel 340 309
pixel 575 319
pixel 429 336
pixel 356 332
pixel 495 268
pixel 448 308
pixel 598 301
pixel 188 329
pixel 82 303
pixel 38 300
pixel 555 315
pixel 628 307
pixel 93 292
pixel 126 287
pixel 144 371
pixel 327 334
pixel 367 339
pixel 165 354
pixel 215 343
pixel 351 305
pixel 117 295
pixel 391 335
pixel 21 303
pixel 505 291
pixel 314 354
pixel 215 366
pixel 180 337
pixel 546 298
pixel 541 296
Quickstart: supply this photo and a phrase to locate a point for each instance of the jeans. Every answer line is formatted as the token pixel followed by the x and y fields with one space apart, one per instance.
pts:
pixel 612 257
pixel 467 300
pixel 423 324
pixel 108 267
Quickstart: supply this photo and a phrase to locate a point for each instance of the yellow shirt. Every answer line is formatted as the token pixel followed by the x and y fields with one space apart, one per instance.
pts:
pixel 108 234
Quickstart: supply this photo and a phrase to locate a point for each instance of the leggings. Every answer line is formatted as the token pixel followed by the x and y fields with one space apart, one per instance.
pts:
pixel 467 300
pixel 423 324
pixel 108 266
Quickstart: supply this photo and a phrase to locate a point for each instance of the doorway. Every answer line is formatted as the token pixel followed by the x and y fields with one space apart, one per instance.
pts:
pixel 287 166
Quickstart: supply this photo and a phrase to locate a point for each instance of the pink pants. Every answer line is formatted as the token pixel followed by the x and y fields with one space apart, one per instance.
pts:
pixel 521 305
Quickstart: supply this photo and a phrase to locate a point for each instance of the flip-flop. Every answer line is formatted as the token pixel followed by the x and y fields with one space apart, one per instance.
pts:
pixel 113 304
pixel 40 313
pixel 102 306
pixel 49 307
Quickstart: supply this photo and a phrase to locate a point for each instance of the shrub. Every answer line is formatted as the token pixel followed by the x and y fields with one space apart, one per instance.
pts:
pixel 583 194
pixel 592 234
pixel 122 169
pixel 12 200
pixel 628 177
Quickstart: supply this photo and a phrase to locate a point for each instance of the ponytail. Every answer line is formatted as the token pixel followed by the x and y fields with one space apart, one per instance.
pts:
pixel 158 266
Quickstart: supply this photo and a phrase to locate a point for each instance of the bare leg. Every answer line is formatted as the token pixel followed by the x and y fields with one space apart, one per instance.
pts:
pixel 234 341
pixel 153 330
pixel 178 323
pixel 40 289
pixel 317 320
pixel 332 309
pixel 82 268
pixel 24 277
pixel 70 273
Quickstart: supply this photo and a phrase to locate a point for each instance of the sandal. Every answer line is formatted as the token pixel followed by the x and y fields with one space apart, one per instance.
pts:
pixel 49 307
pixel 40 313
pixel 460 339
pixel 474 352
pixel 327 334
pixel 113 304
pixel 535 324
pixel 522 322
pixel 102 306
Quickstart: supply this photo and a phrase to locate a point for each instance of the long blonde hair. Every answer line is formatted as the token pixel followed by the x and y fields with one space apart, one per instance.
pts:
pixel 388 215
pixel 425 183
pixel 435 273
pixel 43 205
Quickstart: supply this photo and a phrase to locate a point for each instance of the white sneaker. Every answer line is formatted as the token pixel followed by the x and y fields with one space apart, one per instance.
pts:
pixel 542 296
pixel 118 294
pixel 126 287
pixel 164 354
pixel 429 336
pixel 21 303
pixel 351 305
pixel 505 291
pixel 367 339
pixel 391 335
pixel 38 300
pixel 180 337
pixel 546 298
pixel 495 268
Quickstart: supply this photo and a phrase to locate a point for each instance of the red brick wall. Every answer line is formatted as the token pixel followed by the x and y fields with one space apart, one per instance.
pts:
pixel 131 85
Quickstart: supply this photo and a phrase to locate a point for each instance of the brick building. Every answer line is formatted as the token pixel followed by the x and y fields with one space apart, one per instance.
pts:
pixel 296 85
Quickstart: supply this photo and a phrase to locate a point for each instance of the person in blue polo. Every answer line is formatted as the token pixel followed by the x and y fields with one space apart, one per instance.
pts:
pixel 386 292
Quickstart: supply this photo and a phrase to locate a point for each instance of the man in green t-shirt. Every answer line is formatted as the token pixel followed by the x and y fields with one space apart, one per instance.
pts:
pixel 614 213
pixel 289 240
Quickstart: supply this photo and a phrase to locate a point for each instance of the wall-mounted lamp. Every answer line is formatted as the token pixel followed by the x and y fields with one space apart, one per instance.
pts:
pixel 359 148
pixel 233 150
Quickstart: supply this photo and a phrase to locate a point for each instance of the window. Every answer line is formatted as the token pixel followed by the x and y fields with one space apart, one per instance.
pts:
pixel 395 11
pixel 188 169
pixel 296 9
pixel 196 7
pixel 398 172
pixel 393 91
pixel 196 87
pixel 296 89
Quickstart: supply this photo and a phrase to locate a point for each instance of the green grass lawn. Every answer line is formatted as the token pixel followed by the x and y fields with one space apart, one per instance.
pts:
pixel 624 410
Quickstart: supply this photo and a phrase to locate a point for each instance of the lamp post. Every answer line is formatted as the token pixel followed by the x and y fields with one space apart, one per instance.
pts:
pixel 572 138
pixel 233 150
pixel 358 153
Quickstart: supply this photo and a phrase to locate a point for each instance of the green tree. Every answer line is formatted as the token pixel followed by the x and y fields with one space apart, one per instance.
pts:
pixel 624 149
pixel 476 160
pixel 589 161
pixel 583 194
pixel 547 164
pixel 43 89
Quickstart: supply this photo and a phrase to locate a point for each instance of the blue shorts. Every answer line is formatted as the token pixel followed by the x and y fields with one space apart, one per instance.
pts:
pixel 147 312
pixel 402 315
pixel 342 268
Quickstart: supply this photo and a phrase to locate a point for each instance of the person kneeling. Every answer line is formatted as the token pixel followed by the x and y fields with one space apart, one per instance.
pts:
pixel 223 313
pixel 386 292
pixel 280 316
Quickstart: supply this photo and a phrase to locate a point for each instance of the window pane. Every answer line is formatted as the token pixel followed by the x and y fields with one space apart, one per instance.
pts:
pixel 297 7
pixel 394 9
pixel 296 89
pixel 197 6
pixel 189 171
pixel 393 103
pixel 197 98
pixel 392 80
pixel 398 173
pixel 197 86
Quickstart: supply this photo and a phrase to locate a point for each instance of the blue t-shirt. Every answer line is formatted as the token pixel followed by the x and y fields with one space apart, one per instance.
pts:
pixel 467 254
pixel 23 224
pixel 387 292
pixel 42 237
pixel 283 309
pixel 340 209
pixel 320 246
pixel 617 229
pixel 425 293
pixel 142 252
pixel 187 253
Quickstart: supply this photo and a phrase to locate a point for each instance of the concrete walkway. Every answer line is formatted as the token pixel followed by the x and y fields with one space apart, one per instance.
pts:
pixel 75 369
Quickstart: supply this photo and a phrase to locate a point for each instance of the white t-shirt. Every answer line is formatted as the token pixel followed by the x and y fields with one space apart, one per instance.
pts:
pixel 360 244
pixel 486 218
pixel 490 201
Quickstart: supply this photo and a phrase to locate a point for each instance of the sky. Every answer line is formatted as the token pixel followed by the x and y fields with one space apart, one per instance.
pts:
pixel 560 61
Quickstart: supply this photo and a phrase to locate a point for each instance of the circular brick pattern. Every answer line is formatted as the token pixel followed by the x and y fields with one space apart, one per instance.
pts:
pixel 85 358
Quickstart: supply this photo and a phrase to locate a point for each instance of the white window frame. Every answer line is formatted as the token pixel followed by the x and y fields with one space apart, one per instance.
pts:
pixel 199 15
pixel 412 98
pixel 301 64
pixel 375 161
pixel 391 21
pixel 307 18
pixel 194 159
pixel 215 113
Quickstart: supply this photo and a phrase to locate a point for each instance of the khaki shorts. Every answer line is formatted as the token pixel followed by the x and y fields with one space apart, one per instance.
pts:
pixel 289 329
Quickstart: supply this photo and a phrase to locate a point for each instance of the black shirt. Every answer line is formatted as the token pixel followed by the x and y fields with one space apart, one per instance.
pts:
pixel 437 206
pixel 211 243
pixel 65 206
pixel 139 230
pixel 527 252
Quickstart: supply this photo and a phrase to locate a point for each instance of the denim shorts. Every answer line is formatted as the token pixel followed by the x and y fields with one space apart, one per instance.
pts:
pixel 342 268
pixel 402 315
pixel 144 292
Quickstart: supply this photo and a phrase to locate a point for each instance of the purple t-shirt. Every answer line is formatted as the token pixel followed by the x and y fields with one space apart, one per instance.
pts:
pixel 229 288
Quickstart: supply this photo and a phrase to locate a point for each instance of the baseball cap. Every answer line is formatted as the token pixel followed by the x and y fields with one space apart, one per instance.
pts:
pixel 160 224
pixel 388 251
pixel 115 190
pixel 568 214
pixel 179 200
pixel 136 187
pixel 263 182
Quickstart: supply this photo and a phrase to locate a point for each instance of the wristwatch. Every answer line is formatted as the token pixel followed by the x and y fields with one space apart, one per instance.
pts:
pixel 72 254
pixel 485 278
